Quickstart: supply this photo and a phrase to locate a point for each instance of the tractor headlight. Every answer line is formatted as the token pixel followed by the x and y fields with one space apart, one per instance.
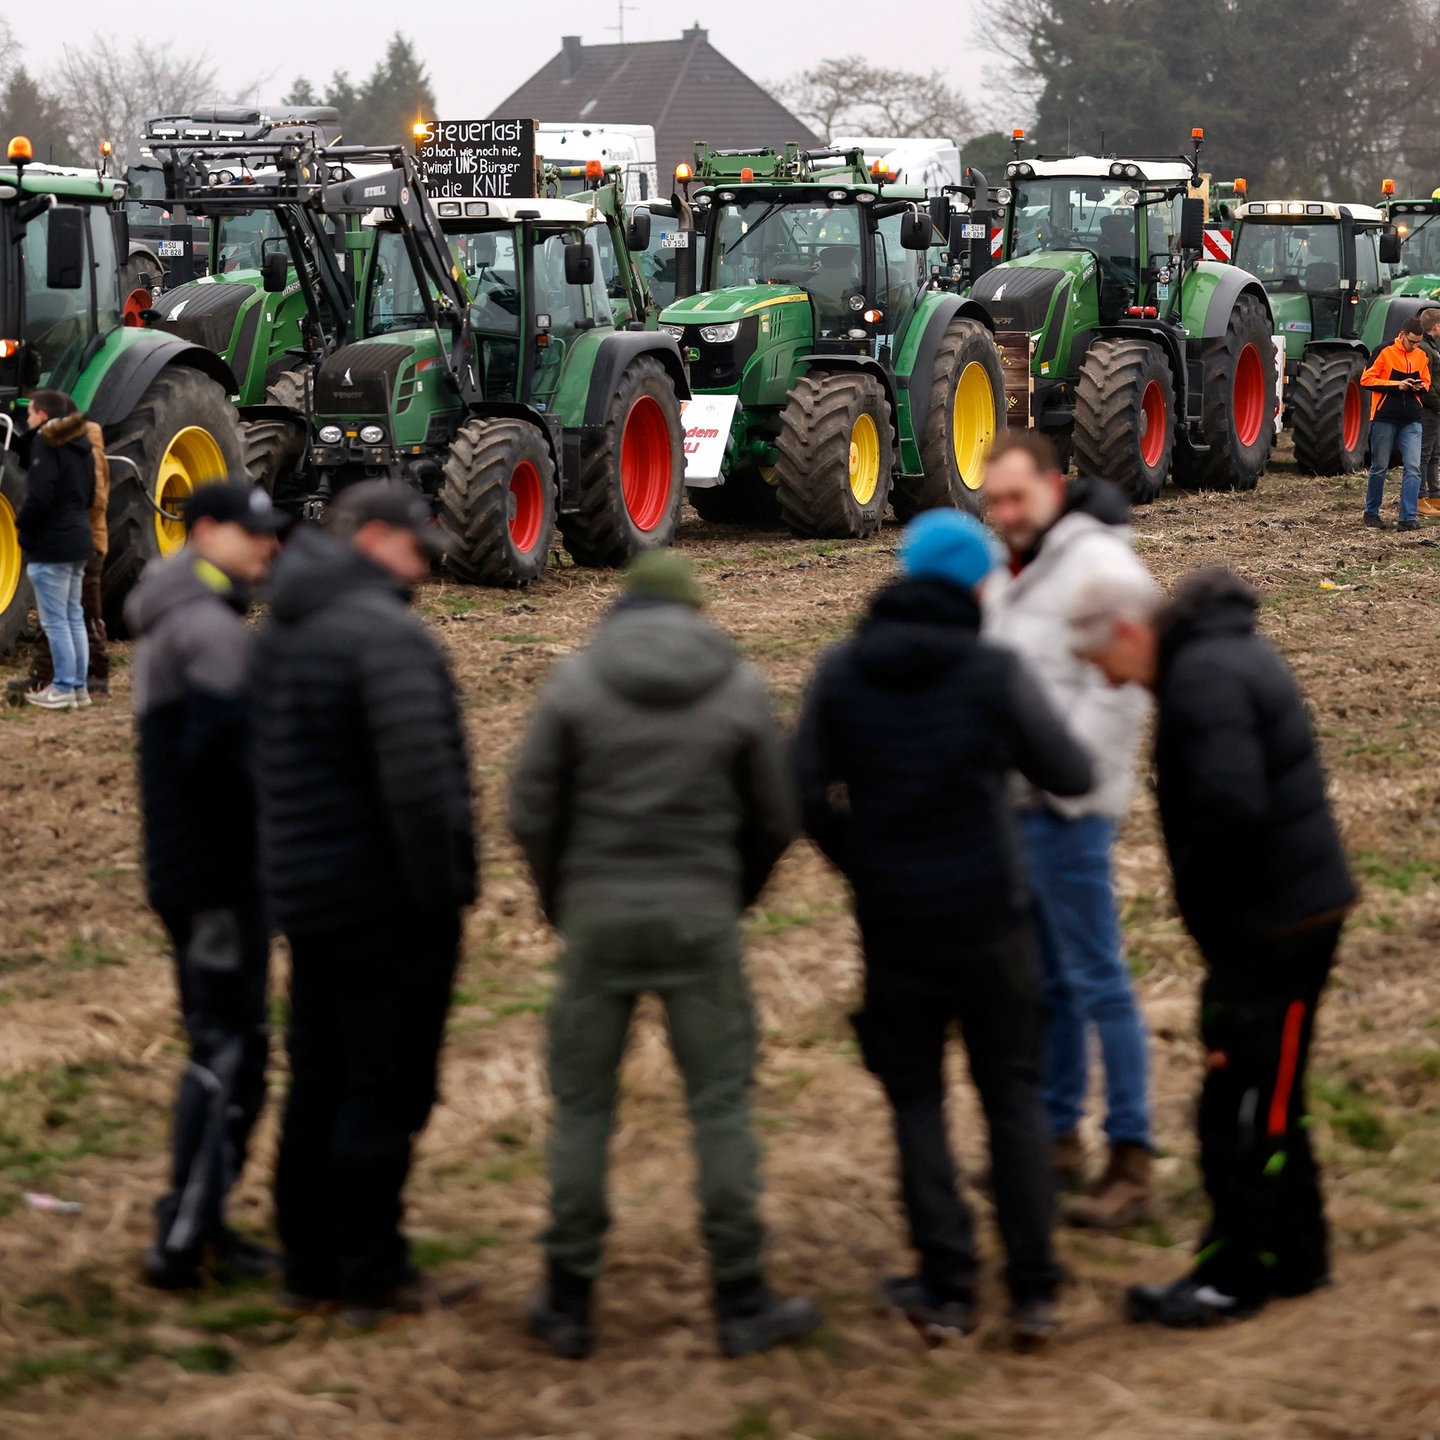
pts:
pixel 371 434
pixel 331 435
pixel 720 334
pixel 676 332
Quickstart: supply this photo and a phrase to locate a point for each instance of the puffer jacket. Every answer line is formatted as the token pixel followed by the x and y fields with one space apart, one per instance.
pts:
pixel 54 521
pixel 1253 845
pixel 100 504
pixel 1027 610
pixel 359 750
pixel 652 776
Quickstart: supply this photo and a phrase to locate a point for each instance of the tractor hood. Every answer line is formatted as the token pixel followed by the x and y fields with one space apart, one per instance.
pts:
pixel 204 311
pixel 361 378
pixel 716 307
pixel 1018 293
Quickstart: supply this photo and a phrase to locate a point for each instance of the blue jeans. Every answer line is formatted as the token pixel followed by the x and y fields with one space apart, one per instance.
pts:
pixel 1086 979
pixel 1384 436
pixel 57 588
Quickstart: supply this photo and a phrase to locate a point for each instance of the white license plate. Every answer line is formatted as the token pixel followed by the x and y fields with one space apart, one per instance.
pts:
pixel 170 247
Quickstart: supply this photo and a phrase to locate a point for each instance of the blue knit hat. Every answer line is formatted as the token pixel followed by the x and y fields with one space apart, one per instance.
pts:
pixel 947 545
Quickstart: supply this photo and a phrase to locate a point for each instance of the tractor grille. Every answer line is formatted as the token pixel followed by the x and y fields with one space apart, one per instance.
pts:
pixel 360 379
pixel 203 314
pixel 1018 297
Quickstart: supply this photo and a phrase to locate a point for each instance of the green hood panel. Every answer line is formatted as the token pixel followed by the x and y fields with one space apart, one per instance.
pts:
pixel 715 307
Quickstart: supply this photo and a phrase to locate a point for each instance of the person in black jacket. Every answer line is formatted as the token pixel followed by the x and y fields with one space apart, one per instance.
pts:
pixel 198 805
pixel 368 857
pixel 55 536
pixel 909 732
pixel 1262 884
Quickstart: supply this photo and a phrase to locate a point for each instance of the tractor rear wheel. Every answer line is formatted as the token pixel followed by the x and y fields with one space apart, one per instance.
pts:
pixel 183 433
pixel 497 499
pixel 1330 415
pixel 967 407
pixel 15 594
pixel 274 448
pixel 836 455
pixel 632 481
pixel 1238 423
pixel 1124 416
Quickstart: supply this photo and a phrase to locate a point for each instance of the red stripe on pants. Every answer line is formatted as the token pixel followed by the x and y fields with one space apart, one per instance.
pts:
pixel 1289 1057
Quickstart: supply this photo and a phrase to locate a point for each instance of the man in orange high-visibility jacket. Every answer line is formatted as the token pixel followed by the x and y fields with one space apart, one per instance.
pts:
pixel 1396 379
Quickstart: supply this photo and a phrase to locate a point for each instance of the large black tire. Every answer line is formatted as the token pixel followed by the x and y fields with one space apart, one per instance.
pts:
pixel 1238 424
pixel 967 408
pixel 497 499
pixel 16 597
pixel 183 433
pixel 632 479
pixel 1327 409
pixel 275 448
pixel 746 497
pixel 837 453
pixel 1125 416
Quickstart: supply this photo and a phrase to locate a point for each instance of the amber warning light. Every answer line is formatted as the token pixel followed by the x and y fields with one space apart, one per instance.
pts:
pixel 684 172
pixel 20 149
pixel 1387 187
pixel 594 170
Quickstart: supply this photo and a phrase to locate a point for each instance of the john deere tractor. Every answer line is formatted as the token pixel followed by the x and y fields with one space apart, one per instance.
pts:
pixel 1417 228
pixel 491 375
pixel 1147 359
pixel 1325 269
pixel 163 402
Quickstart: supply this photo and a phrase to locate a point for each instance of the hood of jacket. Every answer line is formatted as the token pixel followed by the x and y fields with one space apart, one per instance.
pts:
pixel 660 653
pixel 183 579
pixel 316 569
pixel 915 632
pixel 66 430
pixel 1213 601
pixel 1100 501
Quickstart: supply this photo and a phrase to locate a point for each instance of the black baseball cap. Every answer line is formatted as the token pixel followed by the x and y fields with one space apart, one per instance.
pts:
pixel 234 502
pixel 391 502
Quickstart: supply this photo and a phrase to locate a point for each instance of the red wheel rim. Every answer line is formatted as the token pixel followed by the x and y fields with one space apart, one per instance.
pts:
pixel 1352 416
pixel 645 463
pixel 136 302
pixel 1249 395
pixel 1152 409
pixel 527 507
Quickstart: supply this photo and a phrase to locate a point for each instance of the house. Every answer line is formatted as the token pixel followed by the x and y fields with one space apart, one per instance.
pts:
pixel 686 89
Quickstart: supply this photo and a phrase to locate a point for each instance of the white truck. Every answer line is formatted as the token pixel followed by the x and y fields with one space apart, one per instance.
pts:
pixel 925 160
pixel 632 147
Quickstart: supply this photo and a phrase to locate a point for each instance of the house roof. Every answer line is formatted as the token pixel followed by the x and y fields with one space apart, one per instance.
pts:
pixel 685 88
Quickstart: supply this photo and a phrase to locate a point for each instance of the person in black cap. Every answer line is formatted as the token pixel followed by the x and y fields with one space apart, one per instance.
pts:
pixel 198 807
pixel 368 855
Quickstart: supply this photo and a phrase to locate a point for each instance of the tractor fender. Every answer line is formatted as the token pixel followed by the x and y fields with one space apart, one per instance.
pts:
pixel 1170 340
pixel 917 381
pixel 862 364
pixel 1336 346
pixel 1395 310
pixel 513 410
pixel 134 368
pixel 1229 287
pixel 615 353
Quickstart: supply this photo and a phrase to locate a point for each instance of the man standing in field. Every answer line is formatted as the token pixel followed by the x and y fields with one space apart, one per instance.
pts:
pixel 1430 420
pixel 1397 379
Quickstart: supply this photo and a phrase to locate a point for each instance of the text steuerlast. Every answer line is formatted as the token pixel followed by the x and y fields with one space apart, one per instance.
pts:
pixel 478 159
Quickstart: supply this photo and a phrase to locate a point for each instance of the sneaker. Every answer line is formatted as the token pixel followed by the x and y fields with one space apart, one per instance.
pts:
pixel 419 1296
pixel 1408 525
pixel 171 1270
pixel 753 1318
pixel 1188 1303
pixel 1375 522
pixel 51 698
pixel 936 1320
pixel 1033 1324
pixel 560 1315
pixel 83 700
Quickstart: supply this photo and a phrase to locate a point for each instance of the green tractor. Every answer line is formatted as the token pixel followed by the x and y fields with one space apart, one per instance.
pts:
pixel 1417 227
pixel 1325 268
pixel 492 375
pixel 162 402
pixel 1147 360
pixel 854 382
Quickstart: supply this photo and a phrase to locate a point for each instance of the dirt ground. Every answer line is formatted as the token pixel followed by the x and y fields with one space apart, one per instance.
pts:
pixel 89 1054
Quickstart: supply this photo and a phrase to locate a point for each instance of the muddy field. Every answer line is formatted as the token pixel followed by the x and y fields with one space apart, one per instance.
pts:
pixel 89 1053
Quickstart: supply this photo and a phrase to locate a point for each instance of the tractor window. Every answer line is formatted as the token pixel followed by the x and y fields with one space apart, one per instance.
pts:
pixel 57 322
pixel 1297 258
pixel 570 308
pixel 660 264
pixel 1072 214
pixel 394 300
pixel 107 269
pixel 1367 263
pixel 145 194
pixel 239 240
pixel 899 273
pixel 608 267
pixel 1421 252
pixel 488 261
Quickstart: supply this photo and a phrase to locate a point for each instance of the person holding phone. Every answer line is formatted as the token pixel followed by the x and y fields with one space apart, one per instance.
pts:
pixel 1396 379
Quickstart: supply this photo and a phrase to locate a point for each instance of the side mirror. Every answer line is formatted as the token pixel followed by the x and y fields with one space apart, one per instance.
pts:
pixel 275 272
pixel 1192 224
pixel 65 249
pixel 120 223
pixel 1389 246
pixel 579 264
pixel 940 212
pixel 915 230
pixel 637 232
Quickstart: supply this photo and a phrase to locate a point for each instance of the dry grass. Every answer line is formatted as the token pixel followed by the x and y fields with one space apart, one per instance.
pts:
pixel 89 1054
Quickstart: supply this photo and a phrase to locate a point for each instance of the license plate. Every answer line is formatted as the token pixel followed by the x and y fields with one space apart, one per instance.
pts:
pixel 171 247
pixel 973 232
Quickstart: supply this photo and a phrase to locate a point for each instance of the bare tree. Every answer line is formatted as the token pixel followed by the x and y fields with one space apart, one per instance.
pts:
pixel 847 93
pixel 832 96
pixel 9 47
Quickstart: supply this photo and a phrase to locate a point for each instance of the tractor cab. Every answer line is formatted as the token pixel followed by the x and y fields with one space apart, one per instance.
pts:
pixel 1417 230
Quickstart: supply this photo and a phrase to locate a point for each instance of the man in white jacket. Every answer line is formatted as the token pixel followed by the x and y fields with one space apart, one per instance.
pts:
pixel 1059 535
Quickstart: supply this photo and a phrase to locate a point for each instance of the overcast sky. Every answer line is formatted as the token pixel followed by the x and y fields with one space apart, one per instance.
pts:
pixel 477 56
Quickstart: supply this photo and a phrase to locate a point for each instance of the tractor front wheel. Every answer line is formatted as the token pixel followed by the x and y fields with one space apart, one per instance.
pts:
pixel 632 480
pixel 1330 415
pixel 15 594
pixel 275 448
pixel 836 455
pixel 1124 417
pixel 497 500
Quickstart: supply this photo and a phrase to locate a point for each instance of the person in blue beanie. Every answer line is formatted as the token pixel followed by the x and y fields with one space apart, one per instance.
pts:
pixel 909 730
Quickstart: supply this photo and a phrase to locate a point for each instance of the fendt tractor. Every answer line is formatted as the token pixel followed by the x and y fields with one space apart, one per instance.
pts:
pixel 1148 360
pixel 163 402
pixel 857 383
pixel 1417 226
pixel 491 375
pixel 1325 269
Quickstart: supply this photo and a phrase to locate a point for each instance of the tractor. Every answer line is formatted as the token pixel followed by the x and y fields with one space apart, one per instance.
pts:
pixel 491 375
pixel 855 381
pixel 1417 227
pixel 1147 360
pixel 1325 269
pixel 163 402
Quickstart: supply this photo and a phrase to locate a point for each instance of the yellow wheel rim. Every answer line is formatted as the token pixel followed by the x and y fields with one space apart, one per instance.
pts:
pixel 864 460
pixel 192 458
pixel 11 561
pixel 972 423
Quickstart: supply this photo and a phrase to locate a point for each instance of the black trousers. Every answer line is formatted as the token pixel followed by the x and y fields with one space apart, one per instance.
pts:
pixel 1267 1234
pixel 917 982
pixel 367 1018
pixel 222 967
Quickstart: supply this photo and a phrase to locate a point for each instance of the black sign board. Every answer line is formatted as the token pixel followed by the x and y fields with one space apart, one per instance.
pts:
pixel 478 159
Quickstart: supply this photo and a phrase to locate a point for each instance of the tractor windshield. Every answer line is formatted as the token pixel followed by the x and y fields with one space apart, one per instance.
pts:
pixel 240 240
pixel 1072 214
pixel 1298 258
pixel 394 300
pixel 1421 252
pixel 59 323
pixel 145 194
pixel 488 261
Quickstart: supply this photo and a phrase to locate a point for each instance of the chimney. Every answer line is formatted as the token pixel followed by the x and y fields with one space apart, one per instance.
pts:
pixel 695 33
pixel 571 49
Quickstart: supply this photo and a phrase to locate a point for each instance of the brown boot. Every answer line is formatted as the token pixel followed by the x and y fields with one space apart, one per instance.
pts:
pixel 1121 1197
pixel 1069 1165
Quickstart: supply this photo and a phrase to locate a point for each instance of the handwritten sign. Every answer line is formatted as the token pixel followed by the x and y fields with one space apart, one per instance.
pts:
pixel 478 159
pixel 706 419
